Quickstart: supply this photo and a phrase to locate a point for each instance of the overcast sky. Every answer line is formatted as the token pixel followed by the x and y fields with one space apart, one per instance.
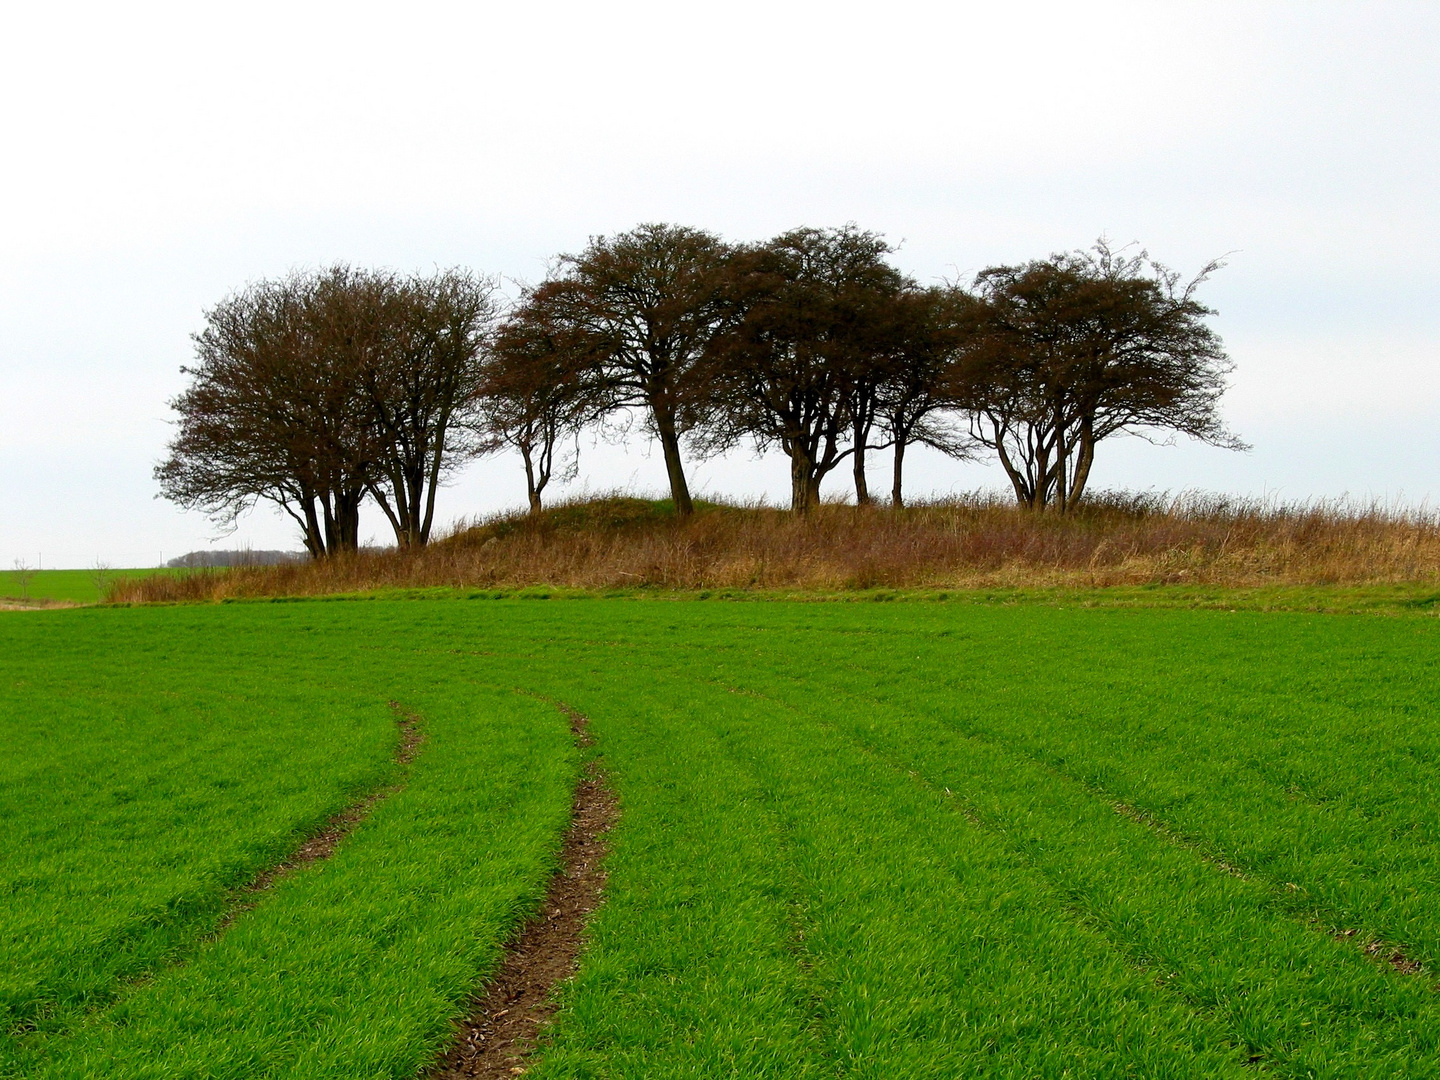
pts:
pixel 157 157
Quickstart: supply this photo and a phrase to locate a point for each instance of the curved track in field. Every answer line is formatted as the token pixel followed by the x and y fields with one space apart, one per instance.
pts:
pixel 322 844
pixel 501 1031
pixel 316 847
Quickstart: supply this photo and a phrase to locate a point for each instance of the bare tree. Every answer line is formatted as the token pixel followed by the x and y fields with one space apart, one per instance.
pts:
pixel 1082 346
pixel 865 388
pixel 932 329
pixel 421 382
pixel 538 391
pixel 275 411
pixel 320 388
pixel 643 306
pixel 101 575
pixel 804 355
pixel 24 574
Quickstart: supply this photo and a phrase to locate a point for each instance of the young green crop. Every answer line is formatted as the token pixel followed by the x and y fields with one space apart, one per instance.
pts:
pixel 169 754
pixel 147 775
pixel 875 840
pixel 77 586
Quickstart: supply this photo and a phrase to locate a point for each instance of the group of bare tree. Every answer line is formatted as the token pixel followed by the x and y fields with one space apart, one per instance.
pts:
pixel 318 390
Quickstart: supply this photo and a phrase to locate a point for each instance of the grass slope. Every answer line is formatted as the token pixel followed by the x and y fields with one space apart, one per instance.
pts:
pixel 985 542
pixel 857 839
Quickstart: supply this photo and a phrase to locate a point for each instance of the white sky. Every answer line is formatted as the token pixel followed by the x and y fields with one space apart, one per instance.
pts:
pixel 156 157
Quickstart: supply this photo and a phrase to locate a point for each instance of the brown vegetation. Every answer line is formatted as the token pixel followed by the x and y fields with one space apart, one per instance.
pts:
pixel 976 542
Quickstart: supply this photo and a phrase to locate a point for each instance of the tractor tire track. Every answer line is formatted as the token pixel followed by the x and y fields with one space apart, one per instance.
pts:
pixel 322 845
pixel 316 847
pixel 506 1021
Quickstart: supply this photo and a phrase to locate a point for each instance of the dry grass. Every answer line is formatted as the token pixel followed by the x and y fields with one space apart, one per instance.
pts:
pixel 9 603
pixel 974 542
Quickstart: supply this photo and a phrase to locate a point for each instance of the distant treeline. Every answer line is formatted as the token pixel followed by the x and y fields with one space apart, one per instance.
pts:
pixel 322 389
pixel 198 560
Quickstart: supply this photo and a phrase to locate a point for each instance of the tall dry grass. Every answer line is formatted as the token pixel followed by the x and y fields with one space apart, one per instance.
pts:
pixel 973 542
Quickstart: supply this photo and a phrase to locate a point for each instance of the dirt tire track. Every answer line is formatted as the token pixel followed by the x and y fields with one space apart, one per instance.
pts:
pixel 322 844
pixel 506 1020
pixel 245 898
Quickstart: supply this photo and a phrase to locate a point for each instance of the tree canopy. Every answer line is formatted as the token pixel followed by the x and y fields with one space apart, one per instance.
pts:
pixel 804 349
pixel 314 390
pixel 642 307
pixel 1070 350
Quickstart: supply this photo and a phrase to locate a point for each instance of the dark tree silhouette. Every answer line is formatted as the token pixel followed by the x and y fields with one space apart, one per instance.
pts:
pixel 275 411
pixel 1082 346
pixel 932 329
pixel 800 363
pixel 643 306
pixel 538 391
pixel 422 384
pixel 316 389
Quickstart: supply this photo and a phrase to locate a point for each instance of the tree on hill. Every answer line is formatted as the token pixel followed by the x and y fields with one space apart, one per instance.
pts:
pixel 873 301
pixel 537 391
pixel 643 306
pixel 804 353
pixel 932 329
pixel 1076 348
pixel 422 386
pixel 317 389
pixel 274 413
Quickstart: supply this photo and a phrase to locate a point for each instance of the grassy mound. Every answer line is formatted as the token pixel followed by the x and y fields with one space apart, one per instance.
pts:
pixel 980 542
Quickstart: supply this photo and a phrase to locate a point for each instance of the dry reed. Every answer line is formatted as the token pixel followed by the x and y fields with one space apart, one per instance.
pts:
pixel 973 542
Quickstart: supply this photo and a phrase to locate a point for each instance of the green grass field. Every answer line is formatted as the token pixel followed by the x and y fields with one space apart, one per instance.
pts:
pixel 76 586
pixel 871 840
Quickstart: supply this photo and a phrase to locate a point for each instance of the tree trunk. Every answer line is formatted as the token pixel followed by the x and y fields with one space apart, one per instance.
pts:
pixel 1040 493
pixel 382 500
pixel 347 519
pixel 804 484
pixel 409 494
pixel 314 538
pixel 897 499
pixel 332 532
pixel 1017 481
pixel 532 492
pixel 670 446
pixel 1082 466
pixel 432 477
pixel 862 488
pixel 1062 467
pixel 425 505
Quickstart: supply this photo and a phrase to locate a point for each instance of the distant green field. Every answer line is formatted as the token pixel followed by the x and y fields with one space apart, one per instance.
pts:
pixel 79 586
pixel 870 840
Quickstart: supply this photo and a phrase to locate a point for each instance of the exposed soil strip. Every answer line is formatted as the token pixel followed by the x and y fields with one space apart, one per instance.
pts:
pixel 323 844
pixel 1382 952
pixel 504 1025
